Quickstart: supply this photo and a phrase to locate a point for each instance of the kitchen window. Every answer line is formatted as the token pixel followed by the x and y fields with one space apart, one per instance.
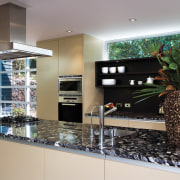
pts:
pixel 18 87
pixel 139 48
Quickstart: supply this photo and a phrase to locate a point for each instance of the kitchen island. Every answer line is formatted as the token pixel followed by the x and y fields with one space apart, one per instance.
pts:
pixel 51 150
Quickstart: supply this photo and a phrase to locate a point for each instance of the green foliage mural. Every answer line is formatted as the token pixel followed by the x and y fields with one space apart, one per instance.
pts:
pixel 141 47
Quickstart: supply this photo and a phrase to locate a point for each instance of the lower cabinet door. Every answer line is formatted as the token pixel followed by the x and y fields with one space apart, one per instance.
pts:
pixel 21 162
pixel 117 171
pixel 69 166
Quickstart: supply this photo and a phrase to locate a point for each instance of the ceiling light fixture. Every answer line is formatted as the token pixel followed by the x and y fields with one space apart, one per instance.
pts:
pixel 68 31
pixel 132 19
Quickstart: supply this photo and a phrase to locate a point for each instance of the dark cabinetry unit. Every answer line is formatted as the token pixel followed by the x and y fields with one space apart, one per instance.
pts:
pixel 122 92
pixel 135 69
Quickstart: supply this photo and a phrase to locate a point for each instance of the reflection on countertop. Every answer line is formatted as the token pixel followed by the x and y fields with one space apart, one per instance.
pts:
pixel 140 144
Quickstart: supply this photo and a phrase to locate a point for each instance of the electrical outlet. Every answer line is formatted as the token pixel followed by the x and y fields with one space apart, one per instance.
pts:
pixel 127 105
pixel 119 105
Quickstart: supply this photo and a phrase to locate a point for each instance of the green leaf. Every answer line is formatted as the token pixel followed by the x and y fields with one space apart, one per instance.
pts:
pixel 166 59
pixel 165 68
pixel 173 66
pixel 143 99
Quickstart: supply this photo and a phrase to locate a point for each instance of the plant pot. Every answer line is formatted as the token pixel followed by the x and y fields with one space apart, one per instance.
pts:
pixel 172 117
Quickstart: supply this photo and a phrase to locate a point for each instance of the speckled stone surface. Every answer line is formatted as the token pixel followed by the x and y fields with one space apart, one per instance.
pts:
pixel 139 144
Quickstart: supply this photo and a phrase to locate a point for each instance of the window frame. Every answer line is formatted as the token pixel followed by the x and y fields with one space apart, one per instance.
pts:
pixel 27 102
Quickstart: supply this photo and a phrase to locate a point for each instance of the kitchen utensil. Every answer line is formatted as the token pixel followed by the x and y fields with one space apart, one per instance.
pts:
pixel 104 70
pixel 132 82
pixel 112 69
pixel 150 80
pixel 121 69
pixel 108 81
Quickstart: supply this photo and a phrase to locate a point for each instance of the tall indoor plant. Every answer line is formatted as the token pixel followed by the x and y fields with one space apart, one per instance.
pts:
pixel 169 86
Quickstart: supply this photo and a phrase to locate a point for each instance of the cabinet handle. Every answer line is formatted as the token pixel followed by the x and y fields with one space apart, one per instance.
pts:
pixel 68 104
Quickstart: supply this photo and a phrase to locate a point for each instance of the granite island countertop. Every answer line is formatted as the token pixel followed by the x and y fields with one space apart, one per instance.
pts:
pixel 140 144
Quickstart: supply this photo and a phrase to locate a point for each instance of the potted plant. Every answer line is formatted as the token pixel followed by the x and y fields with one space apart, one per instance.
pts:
pixel 18 112
pixel 169 86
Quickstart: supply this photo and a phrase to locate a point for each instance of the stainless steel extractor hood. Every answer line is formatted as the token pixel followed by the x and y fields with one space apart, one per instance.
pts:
pixel 13 35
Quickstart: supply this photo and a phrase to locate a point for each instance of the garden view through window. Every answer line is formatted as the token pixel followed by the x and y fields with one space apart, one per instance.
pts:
pixel 140 48
pixel 18 87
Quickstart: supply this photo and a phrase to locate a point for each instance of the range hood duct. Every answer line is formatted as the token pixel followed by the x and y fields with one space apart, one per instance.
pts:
pixel 13 35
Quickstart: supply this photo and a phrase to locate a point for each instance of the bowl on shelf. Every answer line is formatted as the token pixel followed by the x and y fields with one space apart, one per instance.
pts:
pixel 121 69
pixel 112 69
pixel 108 81
pixel 104 70
pixel 140 82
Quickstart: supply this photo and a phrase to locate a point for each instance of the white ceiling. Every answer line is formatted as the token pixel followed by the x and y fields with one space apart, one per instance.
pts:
pixel 104 19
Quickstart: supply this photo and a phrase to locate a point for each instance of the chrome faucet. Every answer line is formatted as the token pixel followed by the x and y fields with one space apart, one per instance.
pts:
pixel 102 113
pixel 91 129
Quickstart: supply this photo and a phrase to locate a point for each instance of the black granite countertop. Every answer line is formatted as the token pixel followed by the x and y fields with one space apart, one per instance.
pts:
pixel 139 144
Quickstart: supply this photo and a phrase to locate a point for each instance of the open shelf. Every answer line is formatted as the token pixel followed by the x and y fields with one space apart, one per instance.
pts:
pixel 124 86
pixel 128 73
pixel 138 69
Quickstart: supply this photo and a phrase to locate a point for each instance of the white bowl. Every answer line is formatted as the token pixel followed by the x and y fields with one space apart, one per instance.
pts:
pixel 108 81
pixel 121 69
pixel 112 69
pixel 104 70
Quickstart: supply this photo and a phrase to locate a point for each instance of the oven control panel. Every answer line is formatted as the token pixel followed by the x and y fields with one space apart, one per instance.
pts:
pixel 70 99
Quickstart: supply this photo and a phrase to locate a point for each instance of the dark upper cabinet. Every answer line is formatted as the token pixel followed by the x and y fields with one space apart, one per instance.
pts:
pixel 138 69
pixel 135 69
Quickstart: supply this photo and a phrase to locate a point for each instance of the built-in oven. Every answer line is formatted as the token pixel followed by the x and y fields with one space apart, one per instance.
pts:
pixel 70 108
pixel 70 85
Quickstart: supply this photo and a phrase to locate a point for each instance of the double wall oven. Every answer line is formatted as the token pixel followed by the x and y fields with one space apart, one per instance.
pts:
pixel 70 98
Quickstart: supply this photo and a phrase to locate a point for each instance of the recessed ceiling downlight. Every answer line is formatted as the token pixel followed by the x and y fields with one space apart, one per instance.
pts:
pixel 132 19
pixel 68 31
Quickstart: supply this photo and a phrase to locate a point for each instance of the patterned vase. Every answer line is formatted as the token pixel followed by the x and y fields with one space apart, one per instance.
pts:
pixel 172 117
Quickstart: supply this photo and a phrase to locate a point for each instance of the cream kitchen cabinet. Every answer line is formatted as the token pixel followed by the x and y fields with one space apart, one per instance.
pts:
pixel 21 162
pixel 148 125
pixel 117 170
pixel 68 166
pixel 27 162
pixel 47 82
pixel 71 55
pixel 109 121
